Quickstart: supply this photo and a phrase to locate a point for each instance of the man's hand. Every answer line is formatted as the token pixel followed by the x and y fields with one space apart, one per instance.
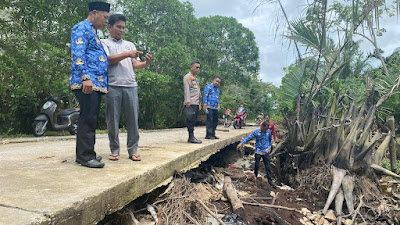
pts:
pixel 133 53
pixel 187 104
pixel 199 107
pixel 204 107
pixel 87 87
pixel 149 58
pixel 239 146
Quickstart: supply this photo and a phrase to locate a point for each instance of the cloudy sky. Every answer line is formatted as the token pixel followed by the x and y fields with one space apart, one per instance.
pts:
pixel 275 52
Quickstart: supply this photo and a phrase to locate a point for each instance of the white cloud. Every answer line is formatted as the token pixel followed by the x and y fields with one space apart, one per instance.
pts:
pixel 274 51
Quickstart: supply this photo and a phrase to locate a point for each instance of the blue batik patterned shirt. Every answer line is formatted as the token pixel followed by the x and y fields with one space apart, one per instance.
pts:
pixel 263 140
pixel 89 60
pixel 211 96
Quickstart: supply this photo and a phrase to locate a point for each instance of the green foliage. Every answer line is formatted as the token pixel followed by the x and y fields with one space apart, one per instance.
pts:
pixel 35 58
pixel 384 83
pixel 335 63
pixel 386 164
pixel 291 87
pixel 153 110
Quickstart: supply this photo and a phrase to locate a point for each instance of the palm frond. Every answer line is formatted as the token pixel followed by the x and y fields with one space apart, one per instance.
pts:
pixel 304 34
pixel 291 86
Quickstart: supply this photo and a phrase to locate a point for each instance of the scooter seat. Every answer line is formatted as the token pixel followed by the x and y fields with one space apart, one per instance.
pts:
pixel 67 112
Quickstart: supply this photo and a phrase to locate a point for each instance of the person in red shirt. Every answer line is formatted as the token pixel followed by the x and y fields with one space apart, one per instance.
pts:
pixel 271 127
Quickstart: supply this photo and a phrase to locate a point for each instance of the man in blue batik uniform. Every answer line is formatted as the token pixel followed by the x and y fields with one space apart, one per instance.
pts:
pixel 211 106
pixel 262 149
pixel 88 79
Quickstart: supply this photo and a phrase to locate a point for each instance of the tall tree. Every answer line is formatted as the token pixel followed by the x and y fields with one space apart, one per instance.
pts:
pixel 34 56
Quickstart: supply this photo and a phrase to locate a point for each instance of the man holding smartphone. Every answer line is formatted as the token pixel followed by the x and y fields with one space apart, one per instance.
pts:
pixel 122 87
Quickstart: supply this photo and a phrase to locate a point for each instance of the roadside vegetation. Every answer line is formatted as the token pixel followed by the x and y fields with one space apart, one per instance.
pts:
pixel 35 59
pixel 339 112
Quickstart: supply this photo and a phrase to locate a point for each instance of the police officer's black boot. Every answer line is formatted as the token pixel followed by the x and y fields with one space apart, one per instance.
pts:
pixel 192 139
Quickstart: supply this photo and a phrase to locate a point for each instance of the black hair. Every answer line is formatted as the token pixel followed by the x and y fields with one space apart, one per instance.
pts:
pixel 265 124
pixel 194 62
pixel 115 18
pixel 218 77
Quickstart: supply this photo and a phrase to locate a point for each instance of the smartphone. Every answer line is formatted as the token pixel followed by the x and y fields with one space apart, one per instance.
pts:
pixel 143 55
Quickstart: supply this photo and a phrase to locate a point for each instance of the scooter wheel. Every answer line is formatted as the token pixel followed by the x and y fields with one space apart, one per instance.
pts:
pixel 39 128
pixel 73 129
pixel 235 125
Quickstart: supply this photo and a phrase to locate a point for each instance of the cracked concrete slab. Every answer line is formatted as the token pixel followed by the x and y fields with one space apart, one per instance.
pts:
pixel 40 182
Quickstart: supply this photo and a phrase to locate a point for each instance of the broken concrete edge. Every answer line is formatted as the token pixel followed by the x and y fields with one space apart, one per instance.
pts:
pixel 93 209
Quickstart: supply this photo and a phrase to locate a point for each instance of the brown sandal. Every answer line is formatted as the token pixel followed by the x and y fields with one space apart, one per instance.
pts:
pixel 113 157
pixel 135 157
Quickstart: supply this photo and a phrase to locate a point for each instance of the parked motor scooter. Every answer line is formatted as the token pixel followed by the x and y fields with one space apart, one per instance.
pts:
pixel 66 120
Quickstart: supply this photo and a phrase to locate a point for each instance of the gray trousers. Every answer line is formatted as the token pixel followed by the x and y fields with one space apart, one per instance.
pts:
pixel 127 98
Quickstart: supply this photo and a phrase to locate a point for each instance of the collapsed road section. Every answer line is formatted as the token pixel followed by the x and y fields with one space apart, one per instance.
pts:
pixel 42 184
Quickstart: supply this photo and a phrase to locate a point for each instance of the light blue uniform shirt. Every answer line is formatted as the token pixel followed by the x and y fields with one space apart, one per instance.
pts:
pixel 89 60
pixel 211 96
pixel 263 140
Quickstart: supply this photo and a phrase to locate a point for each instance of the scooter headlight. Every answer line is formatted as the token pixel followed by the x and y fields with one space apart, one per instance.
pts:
pixel 47 105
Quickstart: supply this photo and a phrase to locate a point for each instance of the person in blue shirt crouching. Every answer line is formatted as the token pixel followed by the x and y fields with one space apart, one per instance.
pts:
pixel 262 149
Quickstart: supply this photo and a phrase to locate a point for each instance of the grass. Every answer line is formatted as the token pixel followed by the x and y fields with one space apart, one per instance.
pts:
pixel 386 164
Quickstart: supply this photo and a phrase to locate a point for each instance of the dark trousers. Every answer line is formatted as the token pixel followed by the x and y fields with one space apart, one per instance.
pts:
pixel 87 123
pixel 212 122
pixel 190 123
pixel 267 165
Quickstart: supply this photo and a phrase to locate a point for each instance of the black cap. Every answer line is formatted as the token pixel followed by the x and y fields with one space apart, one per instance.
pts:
pixel 99 6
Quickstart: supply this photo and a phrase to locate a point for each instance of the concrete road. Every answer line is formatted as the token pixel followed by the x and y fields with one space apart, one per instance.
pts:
pixel 40 183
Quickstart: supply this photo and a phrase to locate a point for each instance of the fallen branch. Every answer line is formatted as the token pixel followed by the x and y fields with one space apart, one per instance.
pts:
pixel 231 193
pixel 272 206
pixel 261 198
pixel 210 212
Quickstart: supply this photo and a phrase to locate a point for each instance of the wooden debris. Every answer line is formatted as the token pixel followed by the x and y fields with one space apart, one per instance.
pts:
pixel 231 193
pixel 272 206
pixel 210 212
